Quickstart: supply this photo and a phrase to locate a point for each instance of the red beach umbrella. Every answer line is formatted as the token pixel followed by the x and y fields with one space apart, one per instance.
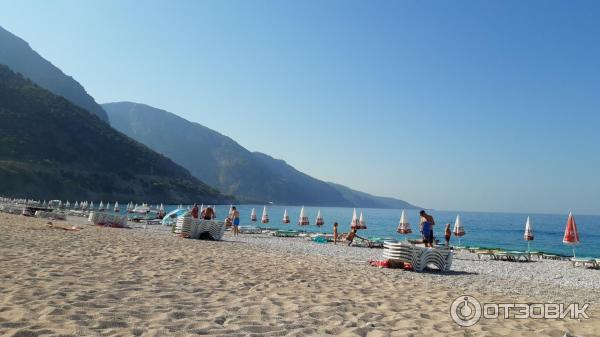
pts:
pixel 571 234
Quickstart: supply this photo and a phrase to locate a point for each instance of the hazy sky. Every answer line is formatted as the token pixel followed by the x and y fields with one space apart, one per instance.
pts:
pixel 464 105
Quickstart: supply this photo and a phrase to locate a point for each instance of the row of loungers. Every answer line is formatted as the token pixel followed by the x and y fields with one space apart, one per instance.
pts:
pixel 519 256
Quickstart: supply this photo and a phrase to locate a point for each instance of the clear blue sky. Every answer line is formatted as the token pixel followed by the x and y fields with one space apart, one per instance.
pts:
pixel 465 105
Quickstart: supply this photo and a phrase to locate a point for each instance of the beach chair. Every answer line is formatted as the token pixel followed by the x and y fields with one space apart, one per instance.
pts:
pixel 486 252
pixel 419 257
pixel 286 233
pixel 250 230
pixel 513 256
pixel 588 262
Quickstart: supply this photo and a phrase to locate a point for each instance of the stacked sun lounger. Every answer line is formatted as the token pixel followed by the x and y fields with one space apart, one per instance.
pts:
pixel 183 226
pixel 419 257
pixel 197 229
pixel 213 228
pixel 51 215
pixel 105 219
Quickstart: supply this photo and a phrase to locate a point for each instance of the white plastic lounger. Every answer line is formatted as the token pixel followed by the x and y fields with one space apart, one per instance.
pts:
pixel 585 262
pixel 419 257
pixel 250 230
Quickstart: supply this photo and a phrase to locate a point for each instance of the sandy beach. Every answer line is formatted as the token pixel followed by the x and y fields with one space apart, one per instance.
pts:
pixel 132 282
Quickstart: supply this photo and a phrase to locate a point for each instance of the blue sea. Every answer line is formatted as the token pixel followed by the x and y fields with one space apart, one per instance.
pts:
pixel 501 230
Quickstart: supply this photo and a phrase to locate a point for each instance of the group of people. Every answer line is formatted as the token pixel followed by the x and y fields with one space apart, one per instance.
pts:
pixel 426 224
pixel 207 213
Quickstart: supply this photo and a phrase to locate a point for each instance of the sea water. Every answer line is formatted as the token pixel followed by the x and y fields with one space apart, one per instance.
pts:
pixel 500 230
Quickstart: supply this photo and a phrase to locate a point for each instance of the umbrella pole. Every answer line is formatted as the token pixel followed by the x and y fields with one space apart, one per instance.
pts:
pixel 528 246
pixel 573 252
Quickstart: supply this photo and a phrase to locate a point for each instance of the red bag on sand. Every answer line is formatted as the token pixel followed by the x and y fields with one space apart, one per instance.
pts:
pixel 408 266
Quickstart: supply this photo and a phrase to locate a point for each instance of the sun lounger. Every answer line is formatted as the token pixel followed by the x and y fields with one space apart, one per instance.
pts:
pixel 109 220
pixel 51 215
pixel 419 257
pixel 250 230
pixel 286 233
pixel 513 256
pixel 486 252
pixel 589 262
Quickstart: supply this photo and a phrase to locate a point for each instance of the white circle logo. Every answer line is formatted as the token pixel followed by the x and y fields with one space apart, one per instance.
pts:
pixel 465 311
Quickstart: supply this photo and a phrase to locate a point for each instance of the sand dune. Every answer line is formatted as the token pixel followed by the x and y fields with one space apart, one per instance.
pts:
pixel 115 282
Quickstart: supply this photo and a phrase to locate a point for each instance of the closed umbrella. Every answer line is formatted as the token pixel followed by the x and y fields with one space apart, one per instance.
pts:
pixel 253 215
pixel 286 217
pixel 303 219
pixel 265 217
pixel 528 236
pixel 404 226
pixel 320 221
pixel 571 234
pixel 459 230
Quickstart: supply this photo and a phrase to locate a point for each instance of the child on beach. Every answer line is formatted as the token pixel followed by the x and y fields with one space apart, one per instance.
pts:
pixel 447 234
pixel 335 233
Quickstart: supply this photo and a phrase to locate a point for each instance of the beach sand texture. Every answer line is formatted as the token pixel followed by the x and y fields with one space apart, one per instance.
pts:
pixel 117 282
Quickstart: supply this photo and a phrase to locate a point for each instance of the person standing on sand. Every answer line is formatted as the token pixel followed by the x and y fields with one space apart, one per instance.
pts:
pixel 351 236
pixel 235 218
pixel 447 234
pixel 195 211
pixel 426 227
pixel 208 214
pixel 335 233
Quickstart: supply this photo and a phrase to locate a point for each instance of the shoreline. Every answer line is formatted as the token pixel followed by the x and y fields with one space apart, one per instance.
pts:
pixel 118 282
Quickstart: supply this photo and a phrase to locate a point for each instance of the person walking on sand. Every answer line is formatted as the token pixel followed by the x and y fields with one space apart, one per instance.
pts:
pixel 426 227
pixel 351 236
pixel 195 211
pixel 335 233
pixel 235 219
pixel 447 234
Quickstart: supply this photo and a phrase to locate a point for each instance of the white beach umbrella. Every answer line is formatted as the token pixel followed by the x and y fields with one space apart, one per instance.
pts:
pixel 116 209
pixel 76 205
pixel 101 206
pixel 459 230
pixel 162 207
pixel 528 236
pixel 265 217
pixel 361 222
pixel 67 204
pixel 286 217
pixel 403 225
pixel 107 207
pixel 253 215
pixel 354 223
pixel 180 206
pixel 320 221
pixel 303 219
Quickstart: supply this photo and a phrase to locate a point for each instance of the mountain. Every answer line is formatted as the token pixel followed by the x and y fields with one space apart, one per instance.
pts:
pixel 17 55
pixel 51 148
pixel 370 201
pixel 225 164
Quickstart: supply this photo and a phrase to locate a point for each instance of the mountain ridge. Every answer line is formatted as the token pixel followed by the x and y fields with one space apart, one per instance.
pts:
pixel 49 148
pixel 254 177
pixel 18 55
